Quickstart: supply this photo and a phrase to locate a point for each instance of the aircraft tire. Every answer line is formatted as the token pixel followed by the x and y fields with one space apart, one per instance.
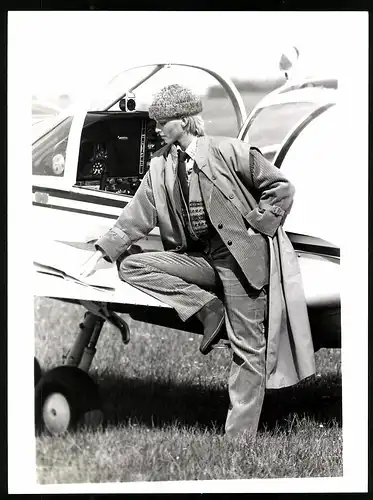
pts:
pixel 65 399
pixel 37 371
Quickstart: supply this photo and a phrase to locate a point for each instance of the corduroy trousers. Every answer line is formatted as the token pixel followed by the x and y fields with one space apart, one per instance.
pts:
pixel 187 282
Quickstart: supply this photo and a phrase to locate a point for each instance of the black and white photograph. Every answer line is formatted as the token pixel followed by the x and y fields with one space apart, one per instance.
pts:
pixel 187 251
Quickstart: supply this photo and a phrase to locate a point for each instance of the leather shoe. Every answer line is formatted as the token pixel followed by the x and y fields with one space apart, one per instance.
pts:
pixel 212 317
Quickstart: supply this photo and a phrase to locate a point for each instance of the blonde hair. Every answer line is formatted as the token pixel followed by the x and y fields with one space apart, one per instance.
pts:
pixel 194 125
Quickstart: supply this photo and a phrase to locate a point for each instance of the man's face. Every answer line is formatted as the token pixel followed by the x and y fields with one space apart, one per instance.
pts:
pixel 170 130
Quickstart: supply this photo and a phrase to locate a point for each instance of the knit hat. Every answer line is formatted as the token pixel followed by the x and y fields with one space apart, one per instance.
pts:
pixel 174 101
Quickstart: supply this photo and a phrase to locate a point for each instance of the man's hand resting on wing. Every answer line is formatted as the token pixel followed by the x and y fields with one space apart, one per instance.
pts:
pixel 90 265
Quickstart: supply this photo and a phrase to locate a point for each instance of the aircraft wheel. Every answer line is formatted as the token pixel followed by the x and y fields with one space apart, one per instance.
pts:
pixel 37 371
pixel 65 398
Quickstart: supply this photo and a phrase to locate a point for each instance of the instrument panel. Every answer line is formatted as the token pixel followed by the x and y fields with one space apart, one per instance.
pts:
pixel 116 149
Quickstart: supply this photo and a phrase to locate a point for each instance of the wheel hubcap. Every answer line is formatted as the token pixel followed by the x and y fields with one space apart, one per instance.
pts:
pixel 56 413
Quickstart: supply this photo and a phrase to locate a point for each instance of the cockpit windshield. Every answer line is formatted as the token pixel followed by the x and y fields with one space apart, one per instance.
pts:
pixel 218 111
pixel 270 125
pixel 123 82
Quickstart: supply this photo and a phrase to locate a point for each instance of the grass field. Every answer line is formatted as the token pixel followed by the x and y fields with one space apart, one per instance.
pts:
pixel 165 406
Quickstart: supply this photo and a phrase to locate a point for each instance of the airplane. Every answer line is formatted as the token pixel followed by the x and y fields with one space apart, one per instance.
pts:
pixel 87 163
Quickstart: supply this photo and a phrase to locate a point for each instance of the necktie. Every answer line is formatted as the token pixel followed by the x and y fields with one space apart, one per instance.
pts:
pixel 183 156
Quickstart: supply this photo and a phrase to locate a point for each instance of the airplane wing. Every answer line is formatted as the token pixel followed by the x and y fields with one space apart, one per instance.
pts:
pixel 56 266
pixel 54 286
pixel 66 259
pixel 56 276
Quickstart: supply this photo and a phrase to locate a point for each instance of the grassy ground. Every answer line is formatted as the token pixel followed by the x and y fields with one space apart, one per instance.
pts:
pixel 165 406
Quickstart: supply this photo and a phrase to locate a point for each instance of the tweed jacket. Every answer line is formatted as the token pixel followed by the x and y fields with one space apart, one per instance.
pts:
pixel 262 196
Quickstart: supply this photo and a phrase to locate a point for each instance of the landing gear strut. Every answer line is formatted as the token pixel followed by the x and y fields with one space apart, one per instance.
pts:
pixel 66 396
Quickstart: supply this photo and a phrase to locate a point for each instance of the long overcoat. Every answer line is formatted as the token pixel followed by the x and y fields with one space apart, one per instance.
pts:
pixel 263 196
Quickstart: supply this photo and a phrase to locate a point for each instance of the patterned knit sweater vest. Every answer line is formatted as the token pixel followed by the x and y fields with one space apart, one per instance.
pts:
pixel 193 210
